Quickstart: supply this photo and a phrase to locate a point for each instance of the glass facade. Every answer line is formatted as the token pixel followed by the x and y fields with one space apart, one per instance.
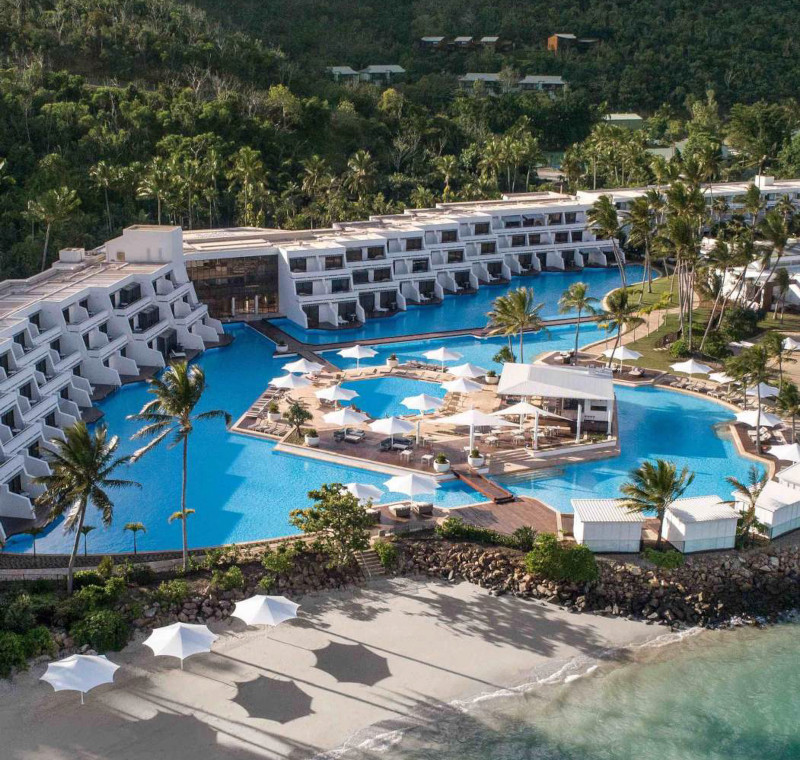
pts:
pixel 236 287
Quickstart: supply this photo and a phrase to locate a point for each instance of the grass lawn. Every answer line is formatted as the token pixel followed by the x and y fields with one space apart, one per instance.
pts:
pixel 661 287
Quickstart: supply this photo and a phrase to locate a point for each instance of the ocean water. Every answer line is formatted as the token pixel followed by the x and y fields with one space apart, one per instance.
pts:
pixel 716 695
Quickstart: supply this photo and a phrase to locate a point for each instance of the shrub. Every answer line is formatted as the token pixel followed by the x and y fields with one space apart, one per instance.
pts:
pixel 43 606
pixel 387 553
pixel 228 580
pixel 474 453
pixel 19 616
pixel 505 354
pixel 311 433
pixel 455 528
pixel 739 323
pixel 679 349
pixel 441 458
pixel 280 561
pixel 89 598
pixel 555 561
pixel 87 578
pixel 141 575
pixel 668 560
pixel 38 641
pixel 524 537
pixel 266 583
pixel 716 345
pixel 106 567
pixel 104 630
pixel 114 589
pixel 12 653
pixel 392 357
pixel 172 592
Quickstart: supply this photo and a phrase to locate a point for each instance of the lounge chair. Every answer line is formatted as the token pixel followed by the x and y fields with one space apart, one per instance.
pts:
pixel 423 509
pixel 400 510
pixel 398 444
pixel 350 435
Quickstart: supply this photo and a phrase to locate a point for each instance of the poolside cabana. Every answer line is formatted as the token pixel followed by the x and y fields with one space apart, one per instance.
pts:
pixel 700 524
pixel 777 507
pixel 604 526
pixel 790 476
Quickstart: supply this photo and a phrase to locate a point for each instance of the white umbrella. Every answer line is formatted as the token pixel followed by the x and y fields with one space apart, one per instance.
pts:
pixel 789 452
pixel 336 393
pixel 468 370
pixel 303 366
pixel 391 426
pixel 721 377
pixel 345 416
pixel 290 381
pixel 364 492
pixel 623 353
pixel 358 353
pixel 474 418
pixel 422 403
pixel 442 355
pixel 751 419
pixel 765 390
pixel 180 640
pixel 80 672
pixel 412 485
pixel 691 367
pixel 265 610
pixel 790 344
pixel 462 385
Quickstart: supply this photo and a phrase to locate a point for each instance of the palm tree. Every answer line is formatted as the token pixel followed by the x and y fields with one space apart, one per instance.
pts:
pixel 448 169
pixel 135 527
pixel 53 207
pixel 247 174
pixel 171 413
pixel 621 314
pixel 85 531
pixel 513 314
pixel 749 493
pixel 33 532
pixel 103 175
pixel 774 229
pixel 82 466
pixel 641 230
pixel 773 343
pixel 361 173
pixel 755 362
pixel 783 282
pixel 576 298
pixel 654 487
pixel 788 403
pixel 602 217
pixel 156 184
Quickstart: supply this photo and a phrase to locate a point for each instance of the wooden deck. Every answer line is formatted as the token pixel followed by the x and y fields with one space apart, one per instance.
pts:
pixel 483 485
pixel 506 518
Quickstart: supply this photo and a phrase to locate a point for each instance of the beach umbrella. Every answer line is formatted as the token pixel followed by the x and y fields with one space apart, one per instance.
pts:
pixel 422 403
pixel 721 377
pixel 766 391
pixel 442 355
pixel 80 672
pixel 462 385
pixel 789 452
pixel 691 367
pixel 474 418
pixel 364 492
pixel 290 381
pixel 790 344
pixel 412 485
pixel 344 417
pixel 468 370
pixel 265 610
pixel 622 353
pixel 336 393
pixel 303 366
pixel 358 353
pixel 180 640
pixel 391 426
pixel 751 419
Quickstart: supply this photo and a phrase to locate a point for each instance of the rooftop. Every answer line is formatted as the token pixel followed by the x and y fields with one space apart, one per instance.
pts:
pixel 775 496
pixel 556 382
pixel 702 509
pixel 605 510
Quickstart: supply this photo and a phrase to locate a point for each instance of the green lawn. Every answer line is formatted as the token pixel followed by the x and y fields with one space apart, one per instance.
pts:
pixel 661 286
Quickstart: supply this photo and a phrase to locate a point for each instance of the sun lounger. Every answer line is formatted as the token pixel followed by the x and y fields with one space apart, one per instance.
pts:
pixel 375 514
pixel 423 509
pixel 400 510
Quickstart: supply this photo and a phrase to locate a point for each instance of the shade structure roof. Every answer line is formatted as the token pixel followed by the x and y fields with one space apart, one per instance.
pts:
pixel 556 382
pixel 789 452
pixel 442 354
pixel 265 610
pixel 180 640
pixel 605 510
pixel 475 418
pixel 702 509
pixel 622 353
pixel 345 417
pixel 303 365
pixel 790 344
pixel 467 370
pixel 721 377
pixel 412 485
pixel 462 385
pixel 422 403
pixel 336 393
pixel 775 496
pixel 765 390
pixel 364 492
pixel 358 352
pixel 790 474
pixel 290 381
pixel 80 672
pixel 751 418
pixel 525 407
pixel 692 367
pixel 391 426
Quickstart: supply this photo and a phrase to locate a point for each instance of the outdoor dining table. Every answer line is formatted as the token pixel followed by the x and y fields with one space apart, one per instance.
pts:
pixel 492 440
pixel 427 460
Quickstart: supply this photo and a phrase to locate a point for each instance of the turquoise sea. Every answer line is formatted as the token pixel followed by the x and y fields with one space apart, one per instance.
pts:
pixel 715 695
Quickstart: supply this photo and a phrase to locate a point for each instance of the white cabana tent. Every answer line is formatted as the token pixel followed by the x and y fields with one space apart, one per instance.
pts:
pixel 462 385
pixel 765 390
pixel 336 393
pixel 788 452
pixel 391 426
pixel 358 353
pixel 180 640
pixel 290 381
pixel 777 507
pixel 700 523
pixel 790 344
pixel 412 485
pixel 265 610
pixel 721 378
pixel 80 672
pixel 345 416
pixel 468 370
pixel 751 419
pixel 442 355
pixel 473 418
pixel 692 367
pixel 790 476
pixel 364 492
pixel 604 526
pixel 303 366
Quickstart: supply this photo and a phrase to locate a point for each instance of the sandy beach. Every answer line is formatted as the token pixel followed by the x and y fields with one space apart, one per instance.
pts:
pixel 355 665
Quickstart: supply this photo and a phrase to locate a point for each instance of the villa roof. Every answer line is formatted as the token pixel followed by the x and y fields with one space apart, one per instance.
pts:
pixel 542 79
pixel 384 68
pixel 490 38
pixel 463 39
pixel 775 496
pixel 565 35
pixel 622 116
pixel 556 382
pixel 431 39
pixel 478 76
pixel 605 511
pixel 790 475
pixel 342 70
pixel 702 509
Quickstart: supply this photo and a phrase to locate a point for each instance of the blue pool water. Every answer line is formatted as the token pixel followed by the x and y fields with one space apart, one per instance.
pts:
pixel 382 396
pixel 467 311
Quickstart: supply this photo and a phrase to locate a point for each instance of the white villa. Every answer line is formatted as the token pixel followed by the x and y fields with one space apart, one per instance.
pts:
pixel 700 523
pixel 603 526
pixel 777 507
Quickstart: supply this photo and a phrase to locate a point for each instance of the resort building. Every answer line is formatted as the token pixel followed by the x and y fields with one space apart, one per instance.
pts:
pixel 375 73
pixel 777 507
pixel 77 331
pixel 499 82
pixel 701 523
pixel 627 120
pixel 604 526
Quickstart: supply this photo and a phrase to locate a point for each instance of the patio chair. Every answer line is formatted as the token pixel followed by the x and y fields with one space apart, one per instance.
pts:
pixel 423 509
pixel 401 510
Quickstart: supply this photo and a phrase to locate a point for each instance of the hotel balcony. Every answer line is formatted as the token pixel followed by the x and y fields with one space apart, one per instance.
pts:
pixel 187 315
pixel 104 350
pixel 134 307
pixel 91 320
pixel 166 292
pixel 47 335
pixel 67 361
pixel 40 409
pixel 14 439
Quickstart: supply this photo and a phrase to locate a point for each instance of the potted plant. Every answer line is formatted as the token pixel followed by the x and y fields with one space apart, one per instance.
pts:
pixel 441 463
pixel 281 347
pixel 492 378
pixel 475 459
pixel 273 411
pixel 392 361
pixel 312 437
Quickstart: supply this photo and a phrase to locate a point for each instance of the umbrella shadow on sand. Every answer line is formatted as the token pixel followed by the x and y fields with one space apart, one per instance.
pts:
pixel 352 663
pixel 273 699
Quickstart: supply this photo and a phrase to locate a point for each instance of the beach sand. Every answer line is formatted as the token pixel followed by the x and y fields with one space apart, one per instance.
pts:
pixel 356 666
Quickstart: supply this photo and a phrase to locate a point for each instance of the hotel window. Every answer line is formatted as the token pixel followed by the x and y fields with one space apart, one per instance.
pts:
pixel 50 419
pixel 353 254
pixel 15 485
pixel 570 217
pixel 382 275
pixel 298 265
pixel 36 319
pixel 449 236
pixel 554 218
pixel 576 236
pixel 414 244
pixel 41 366
pixel 513 223
pixel 419 265
pixel 490 247
pixel 375 252
pixel 561 237
pixel 455 257
pixel 8 419
pixel 340 285
pixel 535 239
pixel 360 276
pixel 248 285
pixel 482 228
pixel 333 262
pixel 517 241
pixel 305 288
pixel 4 364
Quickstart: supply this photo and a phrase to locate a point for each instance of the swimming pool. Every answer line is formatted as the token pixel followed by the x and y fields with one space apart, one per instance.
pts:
pixel 382 396
pixel 468 310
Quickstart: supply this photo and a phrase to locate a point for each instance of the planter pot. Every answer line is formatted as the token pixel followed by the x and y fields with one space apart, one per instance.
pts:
pixel 274 416
pixel 475 461
pixel 312 440
pixel 492 380
pixel 281 349
pixel 392 363
pixel 441 466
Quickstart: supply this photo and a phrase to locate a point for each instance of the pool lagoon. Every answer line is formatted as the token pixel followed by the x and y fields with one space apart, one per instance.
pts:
pixel 383 396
